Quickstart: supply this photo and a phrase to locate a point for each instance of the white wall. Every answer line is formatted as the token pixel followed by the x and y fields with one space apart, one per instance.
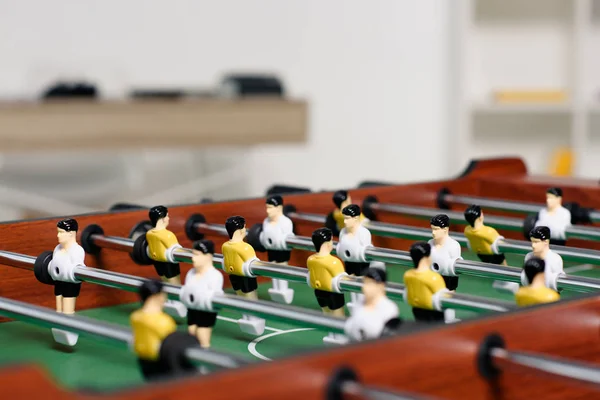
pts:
pixel 375 74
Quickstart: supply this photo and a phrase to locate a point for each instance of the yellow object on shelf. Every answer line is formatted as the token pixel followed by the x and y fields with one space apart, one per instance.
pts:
pixel 562 162
pixel 530 96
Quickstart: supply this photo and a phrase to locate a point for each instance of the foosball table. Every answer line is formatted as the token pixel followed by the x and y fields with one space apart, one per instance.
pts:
pixel 480 287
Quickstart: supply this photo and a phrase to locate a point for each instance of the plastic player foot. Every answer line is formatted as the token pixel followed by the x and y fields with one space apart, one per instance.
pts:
pixel 64 337
pixel 283 296
pixel 450 316
pixel 252 325
pixel 511 287
pixel 175 309
pixel 335 339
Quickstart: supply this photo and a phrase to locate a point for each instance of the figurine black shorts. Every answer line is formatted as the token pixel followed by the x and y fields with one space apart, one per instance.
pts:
pixel 153 370
pixel 356 268
pixel 451 282
pixel 331 300
pixel 168 270
pixel 279 256
pixel 66 289
pixel 492 258
pixel 202 319
pixel 425 315
pixel 243 283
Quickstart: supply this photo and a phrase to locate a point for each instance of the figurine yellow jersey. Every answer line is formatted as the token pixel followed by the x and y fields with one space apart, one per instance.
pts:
pixel 529 296
pixel 159 240
pixel 149 330
pixel 481 238
pixel 421 286
pixel 235 254
pixel 322 270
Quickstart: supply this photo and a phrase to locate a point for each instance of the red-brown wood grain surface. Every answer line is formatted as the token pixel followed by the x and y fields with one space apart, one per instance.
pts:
pixel 436 361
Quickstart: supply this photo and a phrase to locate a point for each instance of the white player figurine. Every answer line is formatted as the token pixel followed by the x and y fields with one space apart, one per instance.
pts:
pixel 556 217
pixel 202 282
pixel 67 255
pixel 540 244
pixel 276 228
pixel 445 251
pixel 353 240
pixel 377 311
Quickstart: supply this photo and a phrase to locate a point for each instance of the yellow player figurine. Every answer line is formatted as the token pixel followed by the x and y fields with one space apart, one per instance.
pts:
pixel 424 286
pixel 237 257
pixel 482 239
pixel 160 242
pixel 324 270
pixel 152 328
pixel 335 219
pixel 536 292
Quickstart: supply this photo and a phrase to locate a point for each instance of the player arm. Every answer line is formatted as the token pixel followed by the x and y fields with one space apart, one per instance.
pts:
pixel 365 237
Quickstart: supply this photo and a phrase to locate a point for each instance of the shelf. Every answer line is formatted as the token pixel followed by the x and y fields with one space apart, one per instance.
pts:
pixel 523 108
pixel 151 124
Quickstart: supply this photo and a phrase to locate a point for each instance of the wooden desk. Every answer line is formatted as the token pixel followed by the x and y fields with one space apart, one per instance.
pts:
pixel 150 124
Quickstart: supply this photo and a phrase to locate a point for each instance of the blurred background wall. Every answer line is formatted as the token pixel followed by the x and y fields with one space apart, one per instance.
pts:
pixel 398 90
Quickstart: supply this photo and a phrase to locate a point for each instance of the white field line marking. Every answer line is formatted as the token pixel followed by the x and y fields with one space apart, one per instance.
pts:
pixel 252 344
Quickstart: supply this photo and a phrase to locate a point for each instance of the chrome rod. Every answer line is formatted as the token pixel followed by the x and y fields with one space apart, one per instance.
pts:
pixel 350 388
pixel 47 318
pixel 393 290
pixel 564 368
pixel 263 308
pixel 513 224
pixel 505 205
pixel 494 204
pixel 510 246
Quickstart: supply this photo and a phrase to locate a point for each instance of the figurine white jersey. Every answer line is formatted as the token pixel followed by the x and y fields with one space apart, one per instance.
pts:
pixel 350 245
pixel 554 267
pixel 557 222
pixel 366 323
pixel 445 255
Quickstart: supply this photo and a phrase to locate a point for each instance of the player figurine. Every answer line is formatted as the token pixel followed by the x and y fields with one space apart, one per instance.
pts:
pixel 335 219
pixel 67 255
pixel 537 292
pixel 377 311
pixel 482 239
pixel 445 251
pixel 161 243
pixel 204 277
pixel 237 257
pixel 275 229
pixel 153 329
pixel 353 239
pixel 424 286
pixel 556 217
pixel 323 272
pixel 540 244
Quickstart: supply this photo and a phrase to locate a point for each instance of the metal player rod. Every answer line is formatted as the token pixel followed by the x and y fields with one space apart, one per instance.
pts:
pixel 47 318
pixel 361 391
pixel 461 267
pixel 512 224
pixel 393 290
pixel 504 205
pixel 132 283
pixel 563 368
pixel 510 246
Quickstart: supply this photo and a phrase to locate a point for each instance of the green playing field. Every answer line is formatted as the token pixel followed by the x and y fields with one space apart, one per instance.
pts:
pixel 99 365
